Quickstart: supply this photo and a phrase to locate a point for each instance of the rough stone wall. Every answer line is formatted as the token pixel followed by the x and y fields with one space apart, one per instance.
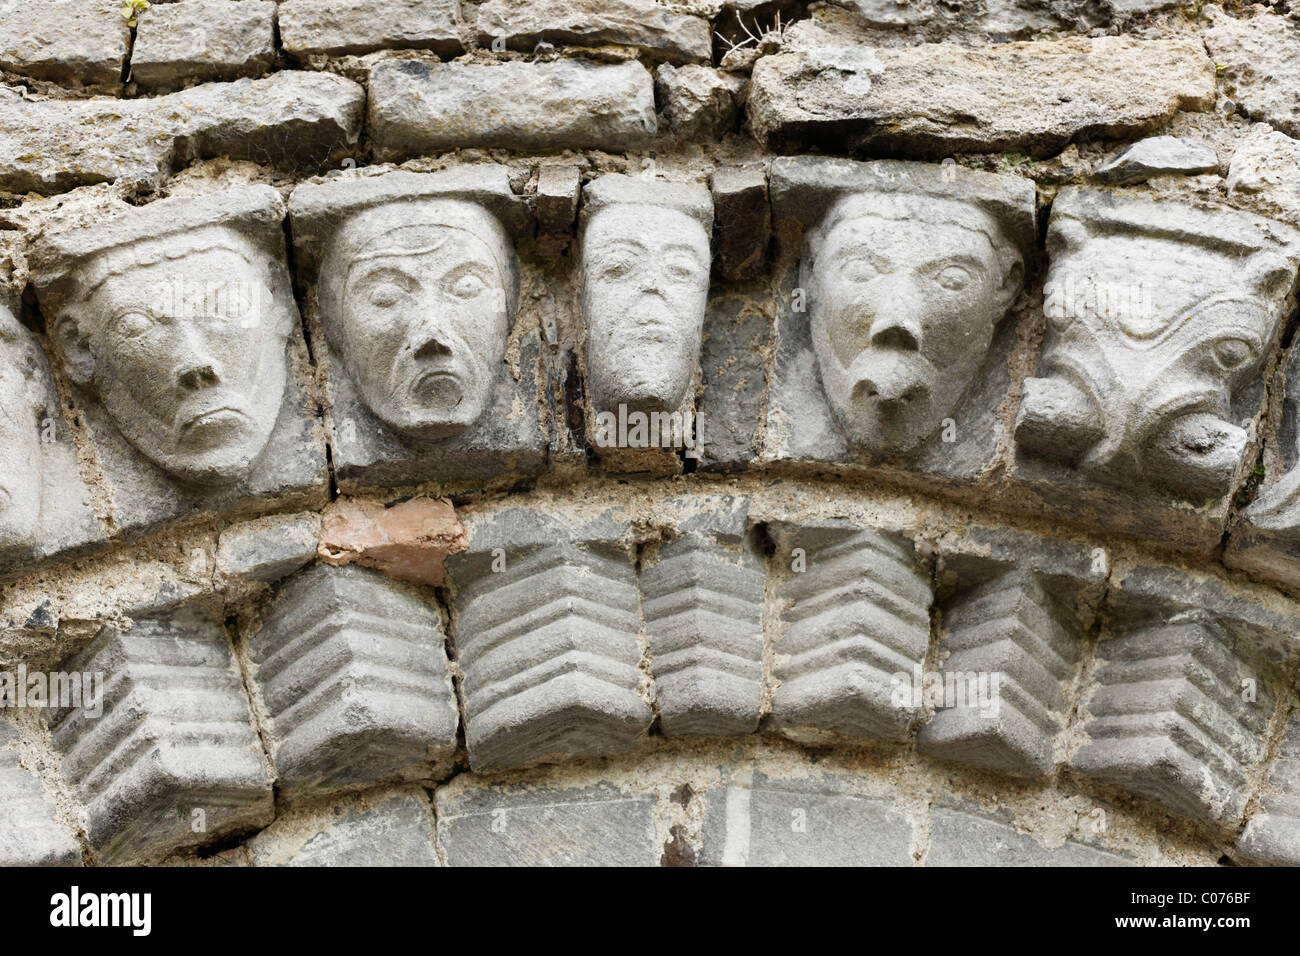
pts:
pixel 632 432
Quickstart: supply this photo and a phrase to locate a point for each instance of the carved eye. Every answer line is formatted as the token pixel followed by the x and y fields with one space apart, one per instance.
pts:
pixel 679 267
pixel 954 278
pixel 860 270
pixel 617 268
pixel 132 324
pixel 386 294
pixel 466 286
pixel 1232 354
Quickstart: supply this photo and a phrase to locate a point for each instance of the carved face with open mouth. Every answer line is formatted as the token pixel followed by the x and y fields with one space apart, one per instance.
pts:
pixel 417 298
pixel 904 295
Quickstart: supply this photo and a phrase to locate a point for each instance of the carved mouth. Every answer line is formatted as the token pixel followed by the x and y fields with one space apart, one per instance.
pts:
pixel 212 426
pixel 437 387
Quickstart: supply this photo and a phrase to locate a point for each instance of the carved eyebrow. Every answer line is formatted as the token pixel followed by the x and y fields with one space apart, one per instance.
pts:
pixel 631 244
pixel 960 259
pixel 688 250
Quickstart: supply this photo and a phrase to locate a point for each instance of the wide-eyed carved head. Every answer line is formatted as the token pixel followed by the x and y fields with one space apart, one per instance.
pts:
pixel 645 285
pixel 417 298
pixel 22 401
pixel 183 340
pixel 904 293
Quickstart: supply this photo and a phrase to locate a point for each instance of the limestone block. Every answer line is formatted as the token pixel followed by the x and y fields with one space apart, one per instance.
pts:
pixel 702 599
pixel 1013 627
pixel 943 98
pixel 890 346
pixel 44 504
pixel 1262 173
pixel 544 621
pixel 408 541
pixel 289 120
pixel 174 762
pixel 733 378
pixel 645 283
pixel 961 835
pixel 1272 835
pixel 1160 318
pixel 351 669
pixel 417 108
pixel 1159 156
pixel 68 41
pixel 392 829
pixel 1173 719
pixel 414 281
pixel 742 221
pixel 1262 60
pixel 339 27
pixel 202 40
pixel 558 190
pixel 29 834
pixel 854 621
pixel 699 102
pixel 267 549
pixel 509 825
pixel 651 27
pixel 819 820
pixel 177 324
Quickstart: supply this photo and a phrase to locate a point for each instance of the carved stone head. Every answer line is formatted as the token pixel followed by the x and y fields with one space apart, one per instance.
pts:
pixel 176 318
pixel 1157 315
pixel 645 284
pixel 22 401
pixel 904 292
pixel 417 298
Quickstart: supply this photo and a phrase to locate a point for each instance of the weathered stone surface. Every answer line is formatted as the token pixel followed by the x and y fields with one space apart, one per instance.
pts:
pixel 1178 716
pixel 29 834
pixel 395 829
pixel 338 27
pixel 1272 836
pixel 290 120
pixel 893 13
pixel 422 383
pixel 759 820
pixel 946 99
pixel 742 221
pixel 544 619
pixel 921 381
pixel 352 671
pixel 733 377
pixel 177 324
pixel 202 40
pixel 1144 376
pixel 854 621
pixel 965 836
pixel 68 41
pixel 645 284
pixel 702 599
pixel 409 540
pixel 1261 57
pixel 1263 172
pixel 417 107
pixel 267 549
pixel 174 762
pixel 558 189
pixel 502 825
pixel 1159 156
pixel 1014 628
pixel 699 102
pixel 44 507
pixel 657 30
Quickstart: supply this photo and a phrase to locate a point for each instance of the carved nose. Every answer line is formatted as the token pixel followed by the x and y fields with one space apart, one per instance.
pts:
pixel 433 348
pixel 198 376
pixel 895 334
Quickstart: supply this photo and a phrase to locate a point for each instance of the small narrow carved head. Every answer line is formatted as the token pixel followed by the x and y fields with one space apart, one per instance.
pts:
pixel 22 401
pixel 645 285
pixel 417 297
pixel 183 339
pixel 904 292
